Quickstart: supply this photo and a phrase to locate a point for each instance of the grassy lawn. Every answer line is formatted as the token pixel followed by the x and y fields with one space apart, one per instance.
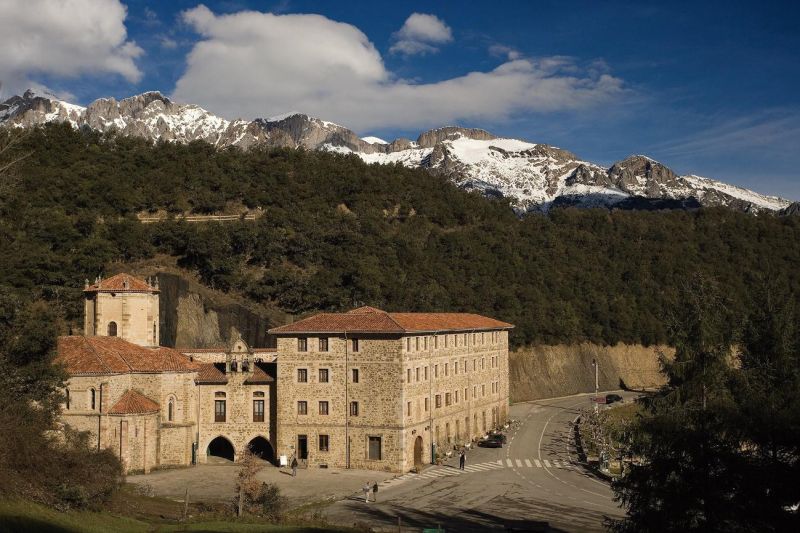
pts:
pixel 130 512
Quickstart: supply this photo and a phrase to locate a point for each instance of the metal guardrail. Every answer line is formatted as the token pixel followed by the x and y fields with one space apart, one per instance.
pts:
pixel 199 218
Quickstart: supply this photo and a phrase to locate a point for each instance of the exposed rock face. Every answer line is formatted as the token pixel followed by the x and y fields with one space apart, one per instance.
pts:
pixel 532 176
pixel 561 370
pixel 791 210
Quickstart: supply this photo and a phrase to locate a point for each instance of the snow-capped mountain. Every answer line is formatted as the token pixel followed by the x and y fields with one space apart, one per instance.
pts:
pixel 533 176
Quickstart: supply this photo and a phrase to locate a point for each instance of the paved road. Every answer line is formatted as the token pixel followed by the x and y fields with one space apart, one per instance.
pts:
pixel 534 483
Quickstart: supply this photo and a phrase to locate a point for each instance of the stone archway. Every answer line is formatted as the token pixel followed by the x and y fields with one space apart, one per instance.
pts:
pixel 418 454
pixel 222 448
pixel 262 448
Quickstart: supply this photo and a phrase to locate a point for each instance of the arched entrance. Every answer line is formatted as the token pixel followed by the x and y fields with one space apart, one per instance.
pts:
pixel 418 453
pixel 220 447
pixel 262 448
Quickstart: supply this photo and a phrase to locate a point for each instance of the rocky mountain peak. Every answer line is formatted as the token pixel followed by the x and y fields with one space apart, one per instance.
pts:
pixel 432 137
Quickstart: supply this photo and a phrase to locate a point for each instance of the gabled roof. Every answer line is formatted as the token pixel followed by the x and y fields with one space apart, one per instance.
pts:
pixel 259 376
pixel 371 320
pixel 133 402
pixel 121 283
pixel 211 373
pixel 113 355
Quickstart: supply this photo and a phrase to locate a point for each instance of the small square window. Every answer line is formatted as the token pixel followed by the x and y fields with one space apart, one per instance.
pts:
pixel 302 375
pixel 408 378
pixel 426 405
pixel 302 407
pixel 302 344
pixel 323 407
pixel 354 343
pixel 323 443
pixel 355 375
pixel 323 344
pixel 323 375
pixel 408 408
pixel 353 408
pixel 438 401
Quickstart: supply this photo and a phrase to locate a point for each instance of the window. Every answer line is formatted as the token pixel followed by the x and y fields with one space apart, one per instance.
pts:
pixel 474 365
pixel 426 373
pixel 170 410
pixel 435 371
pixel 416 371
pixel 435 342
pixel 426 343
pixel 465 339
pixel 374 447
pixel 455 367
pixel 474 335
pixel 456 397
pixel 447 399
pixel 302 407
pixel 474 391
pixel 302 375
pixel 408 344
pixel 154 334
pixel 92 399
pixel 258 410
pixel 482 338
pixel 408 408
pixel 353 408
pixel 323 443
pixel 408 379
pixel 112 329
pixel 426 405
pixel 438 401
pixel 323 375
pixel 417 343
pixel 445 340
pixel 323 407
pixel 355 345
pixel 466 396
pixel 219 411
pixel 66 393
pixel 446 372
pixel 323 344
pixel 483 363
pixel 302 344
pixel 355 375
pixel 483 390
pixel 465 366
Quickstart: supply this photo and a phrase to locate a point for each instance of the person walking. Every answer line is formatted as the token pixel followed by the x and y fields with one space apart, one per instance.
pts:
pixel 294 466
pixel 462 459
pixel 374 491
pixel 366 488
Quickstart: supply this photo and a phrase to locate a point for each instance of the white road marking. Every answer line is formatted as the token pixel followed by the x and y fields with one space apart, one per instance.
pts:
pixel 519 463
pixel 538 463
pixel 528 463
pixel 546 463
pixel 500 462
pixel 509 462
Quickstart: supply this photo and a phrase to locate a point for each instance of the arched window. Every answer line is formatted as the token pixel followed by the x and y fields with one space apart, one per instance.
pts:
pixel 171 410
pixel 112 329
pixel 155 338
pixel 66 393
pixel 92 396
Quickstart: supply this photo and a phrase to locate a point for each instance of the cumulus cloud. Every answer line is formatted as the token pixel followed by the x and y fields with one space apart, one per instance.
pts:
pixel 251 64
pixel 420 34
pixel 63 39
pixel 501 50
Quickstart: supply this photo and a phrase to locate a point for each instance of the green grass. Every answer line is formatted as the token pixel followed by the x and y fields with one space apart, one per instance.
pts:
pixel 18 516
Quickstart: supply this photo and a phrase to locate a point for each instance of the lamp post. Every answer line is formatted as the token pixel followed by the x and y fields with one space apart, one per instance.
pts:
pixel 596 384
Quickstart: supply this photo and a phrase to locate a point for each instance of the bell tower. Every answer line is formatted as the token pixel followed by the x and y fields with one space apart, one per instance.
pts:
pixel 122 306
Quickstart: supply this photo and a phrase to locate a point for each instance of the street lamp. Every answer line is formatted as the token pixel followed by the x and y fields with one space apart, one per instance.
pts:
pixel 596 384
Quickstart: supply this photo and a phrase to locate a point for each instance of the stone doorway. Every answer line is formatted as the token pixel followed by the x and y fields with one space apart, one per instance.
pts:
pixel 262 449
pixel 221 448
pixel 418 454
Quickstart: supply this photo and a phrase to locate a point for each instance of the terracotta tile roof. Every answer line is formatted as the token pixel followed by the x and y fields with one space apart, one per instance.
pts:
pixel 188 351
pixel 133 402
pixel 211 373
pixel 265 350
pixel 121 283
pixel 372 320
pixel 113 355
pixel 260 375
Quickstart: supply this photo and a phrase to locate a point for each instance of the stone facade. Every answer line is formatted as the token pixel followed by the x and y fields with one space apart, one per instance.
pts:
pixel 365 389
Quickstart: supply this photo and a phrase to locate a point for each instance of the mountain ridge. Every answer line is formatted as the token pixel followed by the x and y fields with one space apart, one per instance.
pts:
pixel 533 176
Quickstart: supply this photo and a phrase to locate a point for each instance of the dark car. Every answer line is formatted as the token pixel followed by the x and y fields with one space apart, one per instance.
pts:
pixel 611 398
pixel 498 435
pixel 490 442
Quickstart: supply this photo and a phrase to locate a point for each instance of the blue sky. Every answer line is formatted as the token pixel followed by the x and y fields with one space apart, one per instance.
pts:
pixel 705 87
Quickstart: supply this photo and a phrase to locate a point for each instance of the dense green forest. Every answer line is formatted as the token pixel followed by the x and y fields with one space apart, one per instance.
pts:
pixel 338 233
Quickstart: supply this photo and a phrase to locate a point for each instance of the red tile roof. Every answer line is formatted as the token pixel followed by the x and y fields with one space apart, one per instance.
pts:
pixel 259 376
pixel 113 355
pixel 133 402
pixel 372 320
pixel 210 373
pixel 121 283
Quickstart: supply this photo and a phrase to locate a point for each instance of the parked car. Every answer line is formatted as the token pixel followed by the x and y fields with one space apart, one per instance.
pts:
pixel 611 398
pixel 498 435
pixel 492 441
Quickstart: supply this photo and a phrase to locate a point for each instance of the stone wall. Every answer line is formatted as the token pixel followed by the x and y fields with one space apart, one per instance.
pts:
pixel 136 315
pixel 561 370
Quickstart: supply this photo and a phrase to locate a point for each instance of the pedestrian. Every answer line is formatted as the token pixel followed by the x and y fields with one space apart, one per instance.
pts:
pixel 374 491
pixel 365 488
pixel 294 466
pixel 462 459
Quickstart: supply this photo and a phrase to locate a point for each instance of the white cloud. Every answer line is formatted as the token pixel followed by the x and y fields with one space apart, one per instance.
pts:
pixel 63 39
pixel 252 64
pixel 419 35
pixel 501 50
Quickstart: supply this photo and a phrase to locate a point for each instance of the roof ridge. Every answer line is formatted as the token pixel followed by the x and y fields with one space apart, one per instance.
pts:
pixel 395 322
pixel 85 340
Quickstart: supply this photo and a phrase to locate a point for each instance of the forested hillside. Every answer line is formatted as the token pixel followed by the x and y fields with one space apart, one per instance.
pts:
pixel 338 233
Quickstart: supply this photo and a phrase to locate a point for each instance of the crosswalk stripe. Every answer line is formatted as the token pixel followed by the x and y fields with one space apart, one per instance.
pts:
pixel 508 461
pixel 500 462
pixel 519 463
pixel 546 463
pixel 528 463
pixel 538 463
pixel 475 468
pixel 556 463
